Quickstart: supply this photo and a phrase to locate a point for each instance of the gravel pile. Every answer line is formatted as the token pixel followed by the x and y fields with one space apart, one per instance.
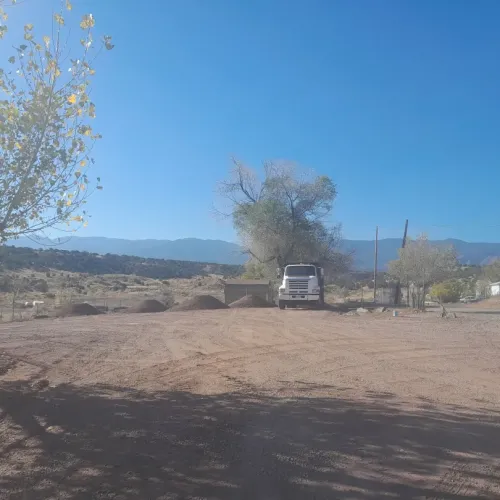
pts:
pixel 148 306
pixel 251 301
pixel 81 309
pixel 200 302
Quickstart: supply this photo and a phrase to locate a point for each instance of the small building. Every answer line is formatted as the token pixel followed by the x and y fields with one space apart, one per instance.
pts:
pixel 236 289
pixel 494 289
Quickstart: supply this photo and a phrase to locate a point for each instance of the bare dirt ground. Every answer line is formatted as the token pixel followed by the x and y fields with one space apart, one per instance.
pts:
pixel 250 404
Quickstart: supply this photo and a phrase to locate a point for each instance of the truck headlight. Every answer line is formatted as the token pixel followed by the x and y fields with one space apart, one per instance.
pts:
pixel 315 290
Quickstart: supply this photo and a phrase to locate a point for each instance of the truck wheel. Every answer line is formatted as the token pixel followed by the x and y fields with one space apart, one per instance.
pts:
pixel 281 304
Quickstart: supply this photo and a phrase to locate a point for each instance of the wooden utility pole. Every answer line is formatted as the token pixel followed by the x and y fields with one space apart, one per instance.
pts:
pixel 397 291
pixel 375 264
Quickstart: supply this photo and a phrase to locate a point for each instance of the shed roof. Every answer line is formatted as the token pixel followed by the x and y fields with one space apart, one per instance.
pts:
pixel 247 282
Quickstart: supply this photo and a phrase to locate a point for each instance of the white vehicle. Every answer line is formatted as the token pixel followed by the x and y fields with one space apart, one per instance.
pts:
pixel 303 284
pixel 467 300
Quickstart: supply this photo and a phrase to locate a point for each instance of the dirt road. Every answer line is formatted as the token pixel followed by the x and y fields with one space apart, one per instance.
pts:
pixel 250 404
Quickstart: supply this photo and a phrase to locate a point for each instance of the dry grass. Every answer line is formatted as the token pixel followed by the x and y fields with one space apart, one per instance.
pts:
pixel 108 292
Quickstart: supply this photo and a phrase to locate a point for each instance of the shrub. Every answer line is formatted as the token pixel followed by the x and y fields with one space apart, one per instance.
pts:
pixel 41 286
pixel 447 291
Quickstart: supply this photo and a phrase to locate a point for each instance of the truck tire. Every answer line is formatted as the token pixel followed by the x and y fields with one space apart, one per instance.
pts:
pixel 281 304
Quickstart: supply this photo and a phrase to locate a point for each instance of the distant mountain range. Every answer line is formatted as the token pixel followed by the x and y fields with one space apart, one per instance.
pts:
pixel 224 252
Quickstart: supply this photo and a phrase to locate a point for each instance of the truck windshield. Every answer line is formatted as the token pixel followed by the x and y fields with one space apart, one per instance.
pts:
pixel 300 271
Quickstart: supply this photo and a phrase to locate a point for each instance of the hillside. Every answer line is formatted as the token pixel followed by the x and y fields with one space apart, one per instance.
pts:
pixel 224 252
pixel 14 258
pixel 188 249
pixel 468 253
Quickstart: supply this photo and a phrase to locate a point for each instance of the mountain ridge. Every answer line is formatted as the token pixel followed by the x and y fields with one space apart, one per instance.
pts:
pixel 225 252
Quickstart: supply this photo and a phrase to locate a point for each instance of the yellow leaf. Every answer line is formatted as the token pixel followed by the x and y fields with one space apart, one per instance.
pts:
pixel 88 132
pixel 68 203
pixel 68 5
pixel 77 218
pixel 83 163
pixel 92 71
pixel 83 187
pixel 46 41
pixel 88 22
pixel 79 111
pixel 59 19
pixel 28 27
pixel 18 146
pixel 85 224
pixel 58 73
pixel 72 99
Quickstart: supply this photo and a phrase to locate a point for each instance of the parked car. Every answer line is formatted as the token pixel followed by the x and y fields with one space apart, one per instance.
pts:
pixel 466 300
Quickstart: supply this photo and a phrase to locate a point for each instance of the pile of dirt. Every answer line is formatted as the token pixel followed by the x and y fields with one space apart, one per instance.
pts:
pixel 251 301
pixel 82 309
pixel 200 302
pixel 148 306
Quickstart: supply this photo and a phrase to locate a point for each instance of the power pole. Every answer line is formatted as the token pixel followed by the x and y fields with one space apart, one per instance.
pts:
pixel 397 291
pixel 375 264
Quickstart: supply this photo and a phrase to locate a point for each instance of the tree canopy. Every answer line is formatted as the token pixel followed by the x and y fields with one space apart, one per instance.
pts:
pixel 422 264
pixel 46 133
pixel 284 216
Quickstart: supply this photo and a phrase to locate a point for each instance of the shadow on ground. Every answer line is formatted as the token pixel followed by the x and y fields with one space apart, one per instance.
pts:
pixel 106 442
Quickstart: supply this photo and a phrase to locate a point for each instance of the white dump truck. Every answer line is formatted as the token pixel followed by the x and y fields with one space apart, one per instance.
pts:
pixel 302 285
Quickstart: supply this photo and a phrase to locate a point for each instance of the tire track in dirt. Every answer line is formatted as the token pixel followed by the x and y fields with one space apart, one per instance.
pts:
pixel 256 354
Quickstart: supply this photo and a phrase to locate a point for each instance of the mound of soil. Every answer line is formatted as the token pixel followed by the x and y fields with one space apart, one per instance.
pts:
pixel 200 302
pixel 82 309
pixel 251 301
pixel 148 306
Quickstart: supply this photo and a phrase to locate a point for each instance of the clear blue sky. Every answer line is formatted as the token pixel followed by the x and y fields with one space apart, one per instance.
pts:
pixel 397 101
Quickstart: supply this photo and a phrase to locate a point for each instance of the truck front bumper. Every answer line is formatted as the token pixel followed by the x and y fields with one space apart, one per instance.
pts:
pixel 299 298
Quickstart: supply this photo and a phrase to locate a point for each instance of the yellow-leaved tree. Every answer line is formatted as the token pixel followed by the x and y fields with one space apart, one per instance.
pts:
pixel 46 134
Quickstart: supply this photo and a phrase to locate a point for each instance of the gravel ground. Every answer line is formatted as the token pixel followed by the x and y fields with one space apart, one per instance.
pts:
pixel 250 404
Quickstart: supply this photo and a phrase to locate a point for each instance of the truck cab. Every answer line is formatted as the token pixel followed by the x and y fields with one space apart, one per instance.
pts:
pixel 302 284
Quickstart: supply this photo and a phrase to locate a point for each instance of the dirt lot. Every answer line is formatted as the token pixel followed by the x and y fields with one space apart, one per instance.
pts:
pixel 250 404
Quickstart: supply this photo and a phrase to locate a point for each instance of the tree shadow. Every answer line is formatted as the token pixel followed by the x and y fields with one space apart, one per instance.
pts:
pixel 108 442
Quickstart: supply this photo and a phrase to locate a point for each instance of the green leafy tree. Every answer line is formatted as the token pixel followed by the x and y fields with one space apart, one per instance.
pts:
pixel 420 265
pixel 284 217
pixel 491 272
pixel 255 270
pixel 447 291
pixel 46 132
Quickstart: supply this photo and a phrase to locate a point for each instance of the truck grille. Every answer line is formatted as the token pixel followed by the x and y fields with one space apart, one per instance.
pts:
pixel 298 286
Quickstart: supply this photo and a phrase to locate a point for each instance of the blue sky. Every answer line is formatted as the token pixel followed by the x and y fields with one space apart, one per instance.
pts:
pixel 399 102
